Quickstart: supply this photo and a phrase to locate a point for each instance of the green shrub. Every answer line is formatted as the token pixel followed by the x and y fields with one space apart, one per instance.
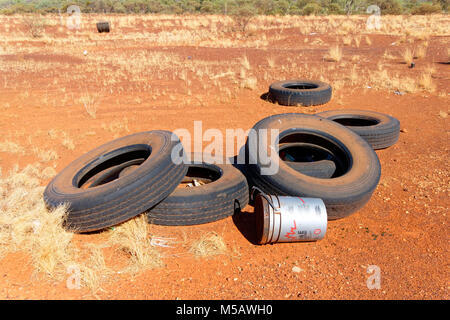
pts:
pixel 427 8
pixel 334 8
pixel 264 7
pixel 242 13
pixel 35 25
pixel 389 6
pixel 312 8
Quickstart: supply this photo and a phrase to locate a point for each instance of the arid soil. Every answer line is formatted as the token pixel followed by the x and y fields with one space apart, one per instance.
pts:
pixel 58 101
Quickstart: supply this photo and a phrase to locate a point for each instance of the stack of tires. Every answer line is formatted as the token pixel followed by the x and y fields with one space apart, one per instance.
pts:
pixel 329 156
pixel 134 174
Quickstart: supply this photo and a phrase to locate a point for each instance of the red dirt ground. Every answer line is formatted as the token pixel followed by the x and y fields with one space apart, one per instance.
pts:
pixel 403 229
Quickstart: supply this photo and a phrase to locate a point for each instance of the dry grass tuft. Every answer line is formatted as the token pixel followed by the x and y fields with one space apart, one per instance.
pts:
pixel 117 126
pixel 408 56
pixel 347 40
pixel 11 147
pixel 45 155
pixel 421 52
pixel 210 244
pixel 35 25
pixel 271 62
pixel 245 63
pixel 426 82
pixel 334 54
pixel 250 83
pixel 68 143
pixel 26 224
pixel 51 246
pixel 132 238
pixel 95 269
pixel 357 41
pixel 89 101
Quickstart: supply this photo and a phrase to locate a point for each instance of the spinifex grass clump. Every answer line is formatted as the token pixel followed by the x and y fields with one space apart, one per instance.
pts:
pixel 27 225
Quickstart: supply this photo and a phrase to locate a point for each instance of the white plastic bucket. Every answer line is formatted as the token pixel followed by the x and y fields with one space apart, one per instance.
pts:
pixel 289 219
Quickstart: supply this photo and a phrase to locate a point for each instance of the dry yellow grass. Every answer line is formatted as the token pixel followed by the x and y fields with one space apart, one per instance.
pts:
pixel 210 244
pixel 334 54
pixel 245 63
pixel 354 75
pixel 407 56
pixel 250 83
pixel 68 143
pixel 95 270
pixel 11 147
pixel 388 56
pixel 420 52
pixel 45 155
pixel 133 238
pixel 381 79
pixel 426 82
pixel 347 40
pixel 114 69
pixel 53 134
pixel 26 224
pixel 357 41
pixel 89 101
pixel 117 127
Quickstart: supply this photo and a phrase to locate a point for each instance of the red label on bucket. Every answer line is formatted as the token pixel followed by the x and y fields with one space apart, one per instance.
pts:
pixel 290 234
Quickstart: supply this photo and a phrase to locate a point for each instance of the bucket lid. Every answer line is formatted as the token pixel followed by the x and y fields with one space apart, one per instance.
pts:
pixel 262 211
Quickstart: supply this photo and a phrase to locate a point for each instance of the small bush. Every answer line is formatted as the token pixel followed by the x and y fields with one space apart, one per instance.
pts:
pixel 334 8
pixel 389 6
pixel 35 25
pixel 426 8
pixel 311 8
pixel 242 13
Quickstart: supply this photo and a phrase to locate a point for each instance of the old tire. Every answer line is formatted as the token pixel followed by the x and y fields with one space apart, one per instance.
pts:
pixel 344 194
pixel 378 129
pixel 227 191
pixel 300 92
pixel 111 203
pixel 103 26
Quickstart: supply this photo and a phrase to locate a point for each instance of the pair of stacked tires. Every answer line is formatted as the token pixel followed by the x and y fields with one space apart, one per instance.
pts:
pixel 134 174
pixel 348 137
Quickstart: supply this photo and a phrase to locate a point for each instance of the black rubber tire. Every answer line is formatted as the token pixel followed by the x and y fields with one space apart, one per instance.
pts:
pixel 309 93
pixel 206 203
pixel 342 195
pixel 112 203
pixel 103 26
pixel 378 129
pixel 319 169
